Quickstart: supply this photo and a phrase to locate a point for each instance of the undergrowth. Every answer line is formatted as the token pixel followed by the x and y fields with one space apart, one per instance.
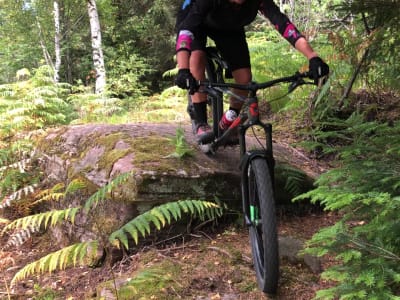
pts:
pixel 365 188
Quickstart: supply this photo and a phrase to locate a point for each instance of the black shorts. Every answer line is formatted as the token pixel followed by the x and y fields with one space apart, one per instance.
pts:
pixel 231 44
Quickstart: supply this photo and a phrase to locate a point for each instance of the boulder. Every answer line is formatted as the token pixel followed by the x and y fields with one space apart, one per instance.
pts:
pixel 98 153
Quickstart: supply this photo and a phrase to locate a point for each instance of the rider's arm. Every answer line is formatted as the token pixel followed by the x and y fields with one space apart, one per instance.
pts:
pixel 182 58
pixel 304 47
pixel 190 17
pixel 286 28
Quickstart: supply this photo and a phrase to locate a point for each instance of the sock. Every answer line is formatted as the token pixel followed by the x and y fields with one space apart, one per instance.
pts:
pixel 235 110
pixel 200 110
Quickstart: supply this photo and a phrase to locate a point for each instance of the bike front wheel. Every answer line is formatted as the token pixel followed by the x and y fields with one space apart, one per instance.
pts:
pixel 262 224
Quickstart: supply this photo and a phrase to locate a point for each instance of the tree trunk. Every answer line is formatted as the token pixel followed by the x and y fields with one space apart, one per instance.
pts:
pixel 46 54
pixel 57 41
pixel 98 58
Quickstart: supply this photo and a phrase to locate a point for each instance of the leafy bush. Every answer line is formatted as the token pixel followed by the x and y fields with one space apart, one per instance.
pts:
pixel 34 103
pixel 365 188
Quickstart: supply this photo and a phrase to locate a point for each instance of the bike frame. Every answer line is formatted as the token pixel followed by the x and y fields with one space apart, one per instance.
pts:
pixel 249 115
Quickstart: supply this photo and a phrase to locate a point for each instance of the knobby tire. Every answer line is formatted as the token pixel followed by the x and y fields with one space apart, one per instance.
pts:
pixel 263 236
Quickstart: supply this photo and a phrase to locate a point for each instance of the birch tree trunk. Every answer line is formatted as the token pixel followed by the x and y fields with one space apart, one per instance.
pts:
pixel 57 41
pixel 98 58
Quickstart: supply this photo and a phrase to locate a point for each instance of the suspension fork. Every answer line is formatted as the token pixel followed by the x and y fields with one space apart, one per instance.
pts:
pixel 249 207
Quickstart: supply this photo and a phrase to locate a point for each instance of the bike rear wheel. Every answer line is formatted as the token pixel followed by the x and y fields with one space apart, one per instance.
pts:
pixel 263 228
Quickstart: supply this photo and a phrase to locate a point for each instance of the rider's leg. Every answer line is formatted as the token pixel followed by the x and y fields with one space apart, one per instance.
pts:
pixel 234 49
pixel 199 100
pixel 241 76
pixel 203 131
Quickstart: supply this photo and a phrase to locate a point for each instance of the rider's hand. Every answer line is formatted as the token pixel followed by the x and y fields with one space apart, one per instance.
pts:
pixel 185 80
pixel 318 68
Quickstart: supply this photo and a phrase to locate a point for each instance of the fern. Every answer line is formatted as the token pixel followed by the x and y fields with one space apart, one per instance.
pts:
pixel 44 219
pixel 20 165
pixel 20 237
pixel 159 217
pixel 365 188
pixel 56 193
pixel 35 103
pixel 102 193
pixel 92 108
pixel 30 189
pixel 182 148
pixel 73 255
pixel 295 178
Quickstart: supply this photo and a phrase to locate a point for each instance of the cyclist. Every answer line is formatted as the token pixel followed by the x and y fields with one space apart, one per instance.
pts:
pixel 223 21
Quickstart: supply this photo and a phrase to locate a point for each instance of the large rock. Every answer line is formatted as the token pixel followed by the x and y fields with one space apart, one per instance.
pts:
pixel 97 153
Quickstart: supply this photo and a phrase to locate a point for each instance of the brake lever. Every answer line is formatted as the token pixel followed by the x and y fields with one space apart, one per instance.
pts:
pixel 296 84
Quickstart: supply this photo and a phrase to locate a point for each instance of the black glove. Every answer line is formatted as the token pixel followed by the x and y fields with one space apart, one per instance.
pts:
pixel 318 68
pixel 185 80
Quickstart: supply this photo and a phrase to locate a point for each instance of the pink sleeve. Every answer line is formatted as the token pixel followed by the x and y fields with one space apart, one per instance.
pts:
pixel 184 41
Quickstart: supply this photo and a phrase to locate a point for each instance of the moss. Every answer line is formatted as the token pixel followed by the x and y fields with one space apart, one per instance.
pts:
pixel 146 283
pixel 110 157
pixel 152 153
pixel 90 187
pixel 49 145
pixel 110 140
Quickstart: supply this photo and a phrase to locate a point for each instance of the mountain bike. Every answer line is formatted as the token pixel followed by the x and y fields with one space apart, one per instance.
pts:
pixel 256 165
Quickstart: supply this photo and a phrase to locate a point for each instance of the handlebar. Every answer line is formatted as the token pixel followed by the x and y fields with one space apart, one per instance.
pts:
pixel 297 79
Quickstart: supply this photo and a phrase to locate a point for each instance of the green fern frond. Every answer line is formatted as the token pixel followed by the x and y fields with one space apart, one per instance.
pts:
pixel 75 185
pixel 160 216
pixel 103 191
pixel 69 256
pixel 17 195
pixel 182 148
pixel 295 178
pixel 50 197
pixel 55 193
pixel 20 237
pixel 55 189
pixel 43 219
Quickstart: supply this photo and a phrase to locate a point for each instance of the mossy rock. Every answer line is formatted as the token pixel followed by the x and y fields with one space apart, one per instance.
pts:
pixel 97 153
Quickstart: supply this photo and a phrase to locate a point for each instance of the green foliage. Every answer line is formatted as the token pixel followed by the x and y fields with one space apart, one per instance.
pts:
pixel 146 282
pixel 84 253
pixel 18 177
pixel 160 216
pixel 273 59
pixel 126 74
pixel 373 26
pixel 365 188
pixel 139 43
pixel 182 148
pixel 295 178
pixel 19 40
pixel 69 256
pixel 105 190
pixel 44 220
pixel 92 107
pixel 33 104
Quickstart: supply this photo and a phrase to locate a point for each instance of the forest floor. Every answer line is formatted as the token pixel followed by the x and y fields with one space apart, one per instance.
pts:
pixel 212 262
